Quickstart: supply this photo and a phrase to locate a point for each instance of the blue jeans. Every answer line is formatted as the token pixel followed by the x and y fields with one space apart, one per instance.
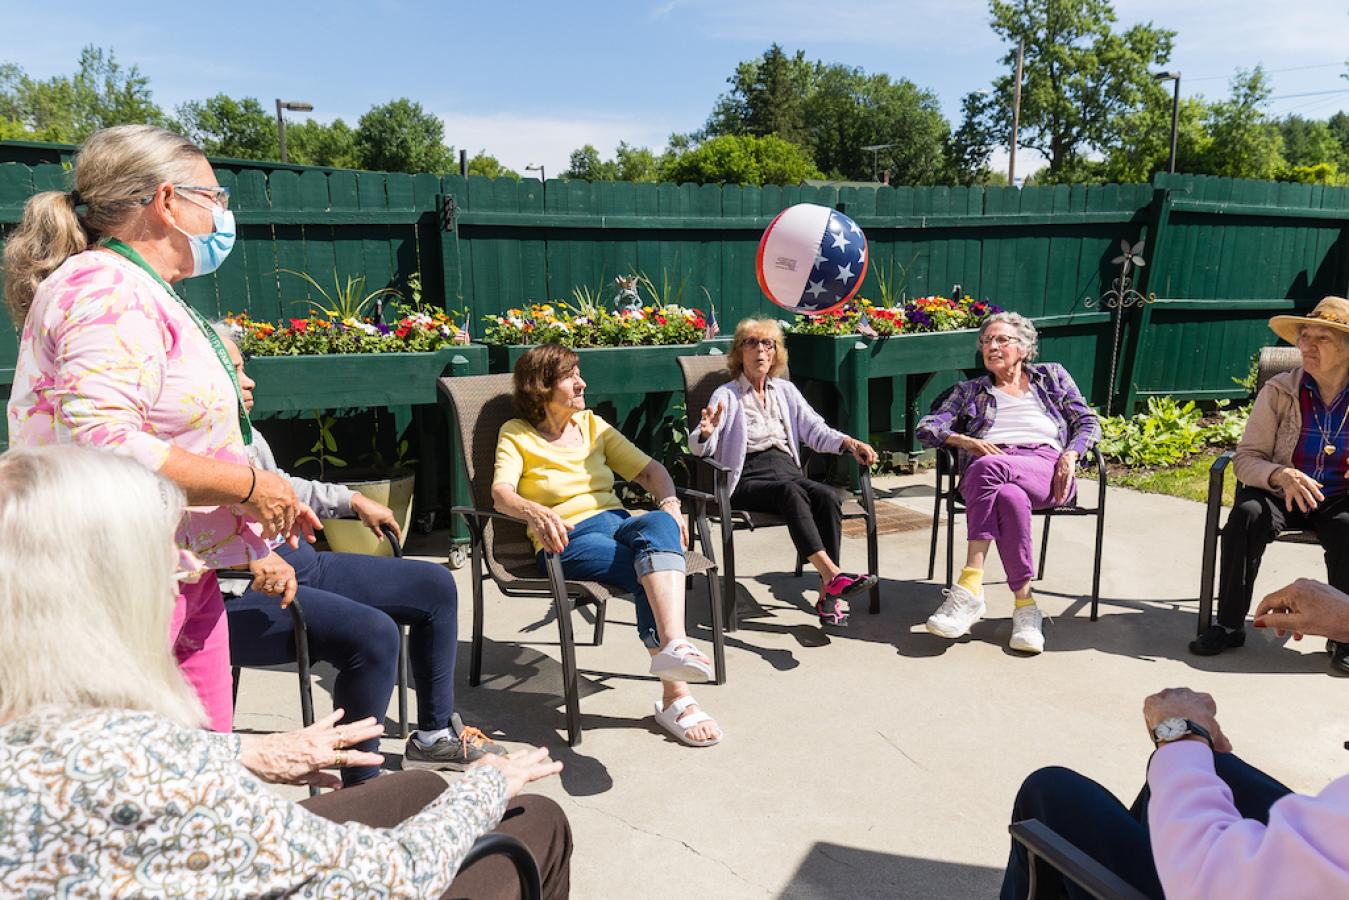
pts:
pixel 617 548
pixel 353 605
pixel 1091 818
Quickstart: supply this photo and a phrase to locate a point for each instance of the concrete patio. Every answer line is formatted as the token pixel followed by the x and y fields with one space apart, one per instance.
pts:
pixel 878 761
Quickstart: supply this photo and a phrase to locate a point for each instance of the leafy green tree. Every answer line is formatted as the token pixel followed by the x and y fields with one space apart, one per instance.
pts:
pixel 1144 147
pixel 224 126
pixel 1081 79
pixel 484 164
pixel 629 164
pixel 1308 142
pixel 401 136
pixel 741 159
pixel 1246 143
pixel 585 164
pixel 768 96
pixel 70 108
pixel 312 143
pixel 1339 128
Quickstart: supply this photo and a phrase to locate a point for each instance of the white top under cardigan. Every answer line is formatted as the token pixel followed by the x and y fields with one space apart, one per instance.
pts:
pixel 1021 421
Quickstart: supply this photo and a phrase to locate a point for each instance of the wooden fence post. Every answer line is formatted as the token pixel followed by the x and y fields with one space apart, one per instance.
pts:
pixel 1137 340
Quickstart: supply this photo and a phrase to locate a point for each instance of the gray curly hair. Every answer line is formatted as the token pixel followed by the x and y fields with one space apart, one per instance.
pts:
pixel 1026 334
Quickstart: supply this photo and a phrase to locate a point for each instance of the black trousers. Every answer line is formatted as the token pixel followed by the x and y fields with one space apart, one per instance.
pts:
pixel 1097 823
pixel 772 482
pixel 536 820
pixel 1257 517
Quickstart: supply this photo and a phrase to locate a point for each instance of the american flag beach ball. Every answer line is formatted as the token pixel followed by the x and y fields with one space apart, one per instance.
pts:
pixel 811 259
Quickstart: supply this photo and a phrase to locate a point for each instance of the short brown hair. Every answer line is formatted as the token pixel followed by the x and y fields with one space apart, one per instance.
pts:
pixel 536 373
pixel 757 325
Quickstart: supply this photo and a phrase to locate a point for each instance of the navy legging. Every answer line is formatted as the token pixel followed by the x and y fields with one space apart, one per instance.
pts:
pixel 1098 824
pixel 353 605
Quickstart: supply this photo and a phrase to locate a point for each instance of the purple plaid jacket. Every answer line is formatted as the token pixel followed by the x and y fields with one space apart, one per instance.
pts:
pixel 970 407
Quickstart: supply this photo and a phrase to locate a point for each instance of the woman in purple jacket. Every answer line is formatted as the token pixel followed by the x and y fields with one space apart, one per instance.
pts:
pixel 752 425
pixel 1019 431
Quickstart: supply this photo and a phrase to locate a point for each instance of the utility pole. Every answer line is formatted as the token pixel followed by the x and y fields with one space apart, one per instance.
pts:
pixel 1016 113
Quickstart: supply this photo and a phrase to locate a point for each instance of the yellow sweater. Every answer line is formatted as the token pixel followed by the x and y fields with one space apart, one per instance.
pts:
pixel 575 482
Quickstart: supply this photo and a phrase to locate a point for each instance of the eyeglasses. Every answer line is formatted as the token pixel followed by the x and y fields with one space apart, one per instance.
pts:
pixel 999 340
pixel 220 196
pixel 765 343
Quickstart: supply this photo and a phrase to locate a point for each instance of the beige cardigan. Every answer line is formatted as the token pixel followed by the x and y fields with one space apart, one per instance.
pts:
pixel 1272 433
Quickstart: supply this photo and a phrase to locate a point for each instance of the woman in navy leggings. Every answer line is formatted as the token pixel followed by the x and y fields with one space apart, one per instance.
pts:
pixel 353 605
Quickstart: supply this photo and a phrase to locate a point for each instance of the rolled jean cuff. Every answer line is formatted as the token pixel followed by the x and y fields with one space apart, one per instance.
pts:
pixel 649 639
pixel 659 561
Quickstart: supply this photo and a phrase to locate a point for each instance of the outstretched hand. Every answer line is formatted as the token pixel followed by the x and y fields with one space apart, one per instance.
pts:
pixel 1306 607
pixel 522 767
pixel 710 420
pixel 298 757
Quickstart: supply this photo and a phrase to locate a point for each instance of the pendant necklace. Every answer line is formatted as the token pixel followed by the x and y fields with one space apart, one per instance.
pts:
pixel 1327 438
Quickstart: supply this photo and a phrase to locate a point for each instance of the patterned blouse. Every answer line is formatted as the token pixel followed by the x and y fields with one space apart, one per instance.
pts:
pixel 971 406
pixel 109 359
pixel 119 803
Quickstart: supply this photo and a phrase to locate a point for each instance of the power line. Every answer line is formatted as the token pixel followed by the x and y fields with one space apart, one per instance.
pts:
pixel 1271 71
pixel 1310 94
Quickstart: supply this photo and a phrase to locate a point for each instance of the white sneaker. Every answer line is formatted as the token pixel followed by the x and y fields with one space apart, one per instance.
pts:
pixel 1026 634
pixel 958 612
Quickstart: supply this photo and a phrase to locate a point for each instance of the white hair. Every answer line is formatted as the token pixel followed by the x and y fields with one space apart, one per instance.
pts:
pixel 87 587
pixel 1026 334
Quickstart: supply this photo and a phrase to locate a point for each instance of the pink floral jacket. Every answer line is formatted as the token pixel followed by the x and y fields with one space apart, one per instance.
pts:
pixel 109 359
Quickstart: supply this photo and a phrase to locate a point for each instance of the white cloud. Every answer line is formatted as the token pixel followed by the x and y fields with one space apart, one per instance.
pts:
pixel 520 140
pixel 883 22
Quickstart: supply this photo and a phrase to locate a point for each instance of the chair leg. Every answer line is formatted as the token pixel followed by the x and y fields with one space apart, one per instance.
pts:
pixel 1096 564
pixel 800 564
pixel 728 576
pixel 950 541
pixel 601 610
pixel 234 697
pixel 302 663
pixel 475 651
pixel 936 525
pixel 718 626
pixel 1044 549
pixel 403 675
pixel 874 566
pixel 570 686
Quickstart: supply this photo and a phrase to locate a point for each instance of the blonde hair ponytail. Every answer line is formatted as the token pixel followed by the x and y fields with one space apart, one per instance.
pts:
pixel 116 171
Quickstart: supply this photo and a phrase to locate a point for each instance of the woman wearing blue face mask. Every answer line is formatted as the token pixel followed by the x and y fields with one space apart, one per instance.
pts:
pixel 112 357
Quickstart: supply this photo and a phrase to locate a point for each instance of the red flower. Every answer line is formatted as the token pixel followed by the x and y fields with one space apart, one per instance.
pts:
pixel 401 331
pixel 300 325
pixel 700 322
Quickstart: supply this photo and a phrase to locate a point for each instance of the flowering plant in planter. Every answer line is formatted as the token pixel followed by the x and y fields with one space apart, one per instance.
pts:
pixel 316 334
pixel 917 316
pixel 597 326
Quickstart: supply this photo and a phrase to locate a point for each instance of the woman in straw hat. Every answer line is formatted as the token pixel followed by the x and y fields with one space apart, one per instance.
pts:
pixel 1293 464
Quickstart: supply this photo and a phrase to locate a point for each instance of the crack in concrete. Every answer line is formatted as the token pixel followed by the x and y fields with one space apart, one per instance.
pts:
pixel 900 749
pixel 686 844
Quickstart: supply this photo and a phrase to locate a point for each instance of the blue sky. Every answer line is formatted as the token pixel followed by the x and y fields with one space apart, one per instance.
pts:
pixel 530 81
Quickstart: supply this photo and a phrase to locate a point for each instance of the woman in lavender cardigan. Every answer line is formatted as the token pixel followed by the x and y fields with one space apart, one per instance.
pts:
pixel 1019 431
pixel 752 425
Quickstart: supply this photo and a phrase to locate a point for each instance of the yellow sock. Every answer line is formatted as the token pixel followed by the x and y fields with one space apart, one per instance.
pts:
pixel 1021 604
pixel 971 579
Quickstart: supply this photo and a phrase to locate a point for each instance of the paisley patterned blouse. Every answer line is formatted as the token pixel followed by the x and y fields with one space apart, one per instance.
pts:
pixel 119 803
pixel 109 359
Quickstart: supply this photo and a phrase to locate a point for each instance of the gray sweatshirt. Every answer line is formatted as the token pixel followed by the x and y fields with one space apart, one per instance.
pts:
pixel 328 501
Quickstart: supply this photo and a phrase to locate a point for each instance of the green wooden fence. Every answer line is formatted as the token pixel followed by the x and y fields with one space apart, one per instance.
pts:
pixel 1222 255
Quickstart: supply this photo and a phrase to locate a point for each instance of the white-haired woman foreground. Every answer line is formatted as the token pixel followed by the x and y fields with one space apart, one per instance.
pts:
pixel 111 787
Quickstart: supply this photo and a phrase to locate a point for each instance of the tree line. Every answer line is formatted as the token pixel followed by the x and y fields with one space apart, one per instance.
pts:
pixel 1091 105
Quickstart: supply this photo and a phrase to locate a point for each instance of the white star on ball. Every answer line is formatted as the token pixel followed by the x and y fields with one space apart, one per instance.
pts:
pixel 845 273
pixel 840 242
pixel 816 289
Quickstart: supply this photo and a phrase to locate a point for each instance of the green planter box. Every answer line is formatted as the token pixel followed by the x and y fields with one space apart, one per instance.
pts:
pixel 638 389
pixel 403 382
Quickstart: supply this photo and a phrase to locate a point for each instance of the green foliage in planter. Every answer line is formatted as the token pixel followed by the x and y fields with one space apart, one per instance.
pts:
pixel 1169 432
pixel 421 332
pixel 594 326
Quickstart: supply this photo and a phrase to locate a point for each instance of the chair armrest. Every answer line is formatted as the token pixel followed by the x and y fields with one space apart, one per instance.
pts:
pixel 1100 465
pixel 710 462
pixel 1098 881
pixel 1217 474
pixel 494 843
pixel 476 512
pixel 233 575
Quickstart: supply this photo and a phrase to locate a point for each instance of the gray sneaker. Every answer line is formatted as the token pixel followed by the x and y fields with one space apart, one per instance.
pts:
pixel 465 746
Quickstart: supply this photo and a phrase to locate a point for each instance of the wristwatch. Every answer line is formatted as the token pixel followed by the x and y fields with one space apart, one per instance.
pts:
pixel 1175 728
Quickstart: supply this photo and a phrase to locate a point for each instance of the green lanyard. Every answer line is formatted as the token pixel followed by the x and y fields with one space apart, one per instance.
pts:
pixel 218 345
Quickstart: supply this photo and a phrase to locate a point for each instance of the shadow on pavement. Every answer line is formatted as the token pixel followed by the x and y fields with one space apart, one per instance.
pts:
pixel 839 873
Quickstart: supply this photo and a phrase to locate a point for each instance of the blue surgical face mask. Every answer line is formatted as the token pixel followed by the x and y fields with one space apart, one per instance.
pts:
pixel 210 250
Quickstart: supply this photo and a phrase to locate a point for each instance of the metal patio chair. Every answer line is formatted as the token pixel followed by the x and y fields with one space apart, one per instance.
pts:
pixel 1047 845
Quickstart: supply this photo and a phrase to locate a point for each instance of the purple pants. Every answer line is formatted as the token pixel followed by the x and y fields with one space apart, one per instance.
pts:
pixel 1000 492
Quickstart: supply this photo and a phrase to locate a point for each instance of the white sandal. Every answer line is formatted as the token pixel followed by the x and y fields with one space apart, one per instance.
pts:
pixel 668 718
pixel 679 661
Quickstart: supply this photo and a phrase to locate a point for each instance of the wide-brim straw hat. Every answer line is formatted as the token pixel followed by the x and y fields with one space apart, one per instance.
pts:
pixel 1331 312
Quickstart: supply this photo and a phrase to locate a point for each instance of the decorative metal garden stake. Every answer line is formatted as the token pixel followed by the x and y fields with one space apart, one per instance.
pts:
pixel 1120 297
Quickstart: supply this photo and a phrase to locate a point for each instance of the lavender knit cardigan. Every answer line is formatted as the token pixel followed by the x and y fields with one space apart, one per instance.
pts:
pixel 727 443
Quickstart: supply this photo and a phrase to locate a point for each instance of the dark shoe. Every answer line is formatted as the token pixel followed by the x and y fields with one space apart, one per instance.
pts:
pixel 1215 639
pixel 846 585
pixel 465 746
pixel 1339 657
pixel 831 612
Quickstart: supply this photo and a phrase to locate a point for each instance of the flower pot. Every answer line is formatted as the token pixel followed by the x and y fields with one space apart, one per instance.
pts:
pixel 352 536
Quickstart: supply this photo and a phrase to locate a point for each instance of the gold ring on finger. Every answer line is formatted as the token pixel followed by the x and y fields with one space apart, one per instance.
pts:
pixel 340 759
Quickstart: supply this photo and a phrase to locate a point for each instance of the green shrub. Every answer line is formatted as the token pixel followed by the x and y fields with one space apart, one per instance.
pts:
pixel 1169 432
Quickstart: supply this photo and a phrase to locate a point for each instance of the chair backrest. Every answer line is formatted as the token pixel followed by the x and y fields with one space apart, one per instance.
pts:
pixel 1273 361
pixel 702 376
pixel 481 404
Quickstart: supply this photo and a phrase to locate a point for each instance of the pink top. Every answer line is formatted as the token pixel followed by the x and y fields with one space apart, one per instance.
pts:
pixel 109 359
pixel 1204 848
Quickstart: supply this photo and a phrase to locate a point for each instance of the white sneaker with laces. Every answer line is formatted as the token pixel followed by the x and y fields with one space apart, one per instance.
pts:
pixel 958 612
pixel 1027 635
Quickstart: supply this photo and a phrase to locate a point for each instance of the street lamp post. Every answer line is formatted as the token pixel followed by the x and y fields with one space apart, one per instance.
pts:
pixel 543 174
pixel 293 106
pixel 875 158
pixel 1175 113
pixel 1016 114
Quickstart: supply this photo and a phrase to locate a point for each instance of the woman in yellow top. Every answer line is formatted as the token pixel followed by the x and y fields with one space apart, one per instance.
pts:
pixel 555 469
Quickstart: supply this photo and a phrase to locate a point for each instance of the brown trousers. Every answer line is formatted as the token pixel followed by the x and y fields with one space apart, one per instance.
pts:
pixel 537 821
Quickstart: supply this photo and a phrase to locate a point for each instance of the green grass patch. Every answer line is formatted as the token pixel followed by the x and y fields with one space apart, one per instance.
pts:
pixel 1188 480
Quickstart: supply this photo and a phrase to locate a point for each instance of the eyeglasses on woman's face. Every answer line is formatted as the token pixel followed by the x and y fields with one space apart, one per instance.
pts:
pixel 753 343
pixel 999 340
pixel 220 196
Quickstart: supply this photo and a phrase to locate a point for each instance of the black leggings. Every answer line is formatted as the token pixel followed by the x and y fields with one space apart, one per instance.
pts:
pixel 772 482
